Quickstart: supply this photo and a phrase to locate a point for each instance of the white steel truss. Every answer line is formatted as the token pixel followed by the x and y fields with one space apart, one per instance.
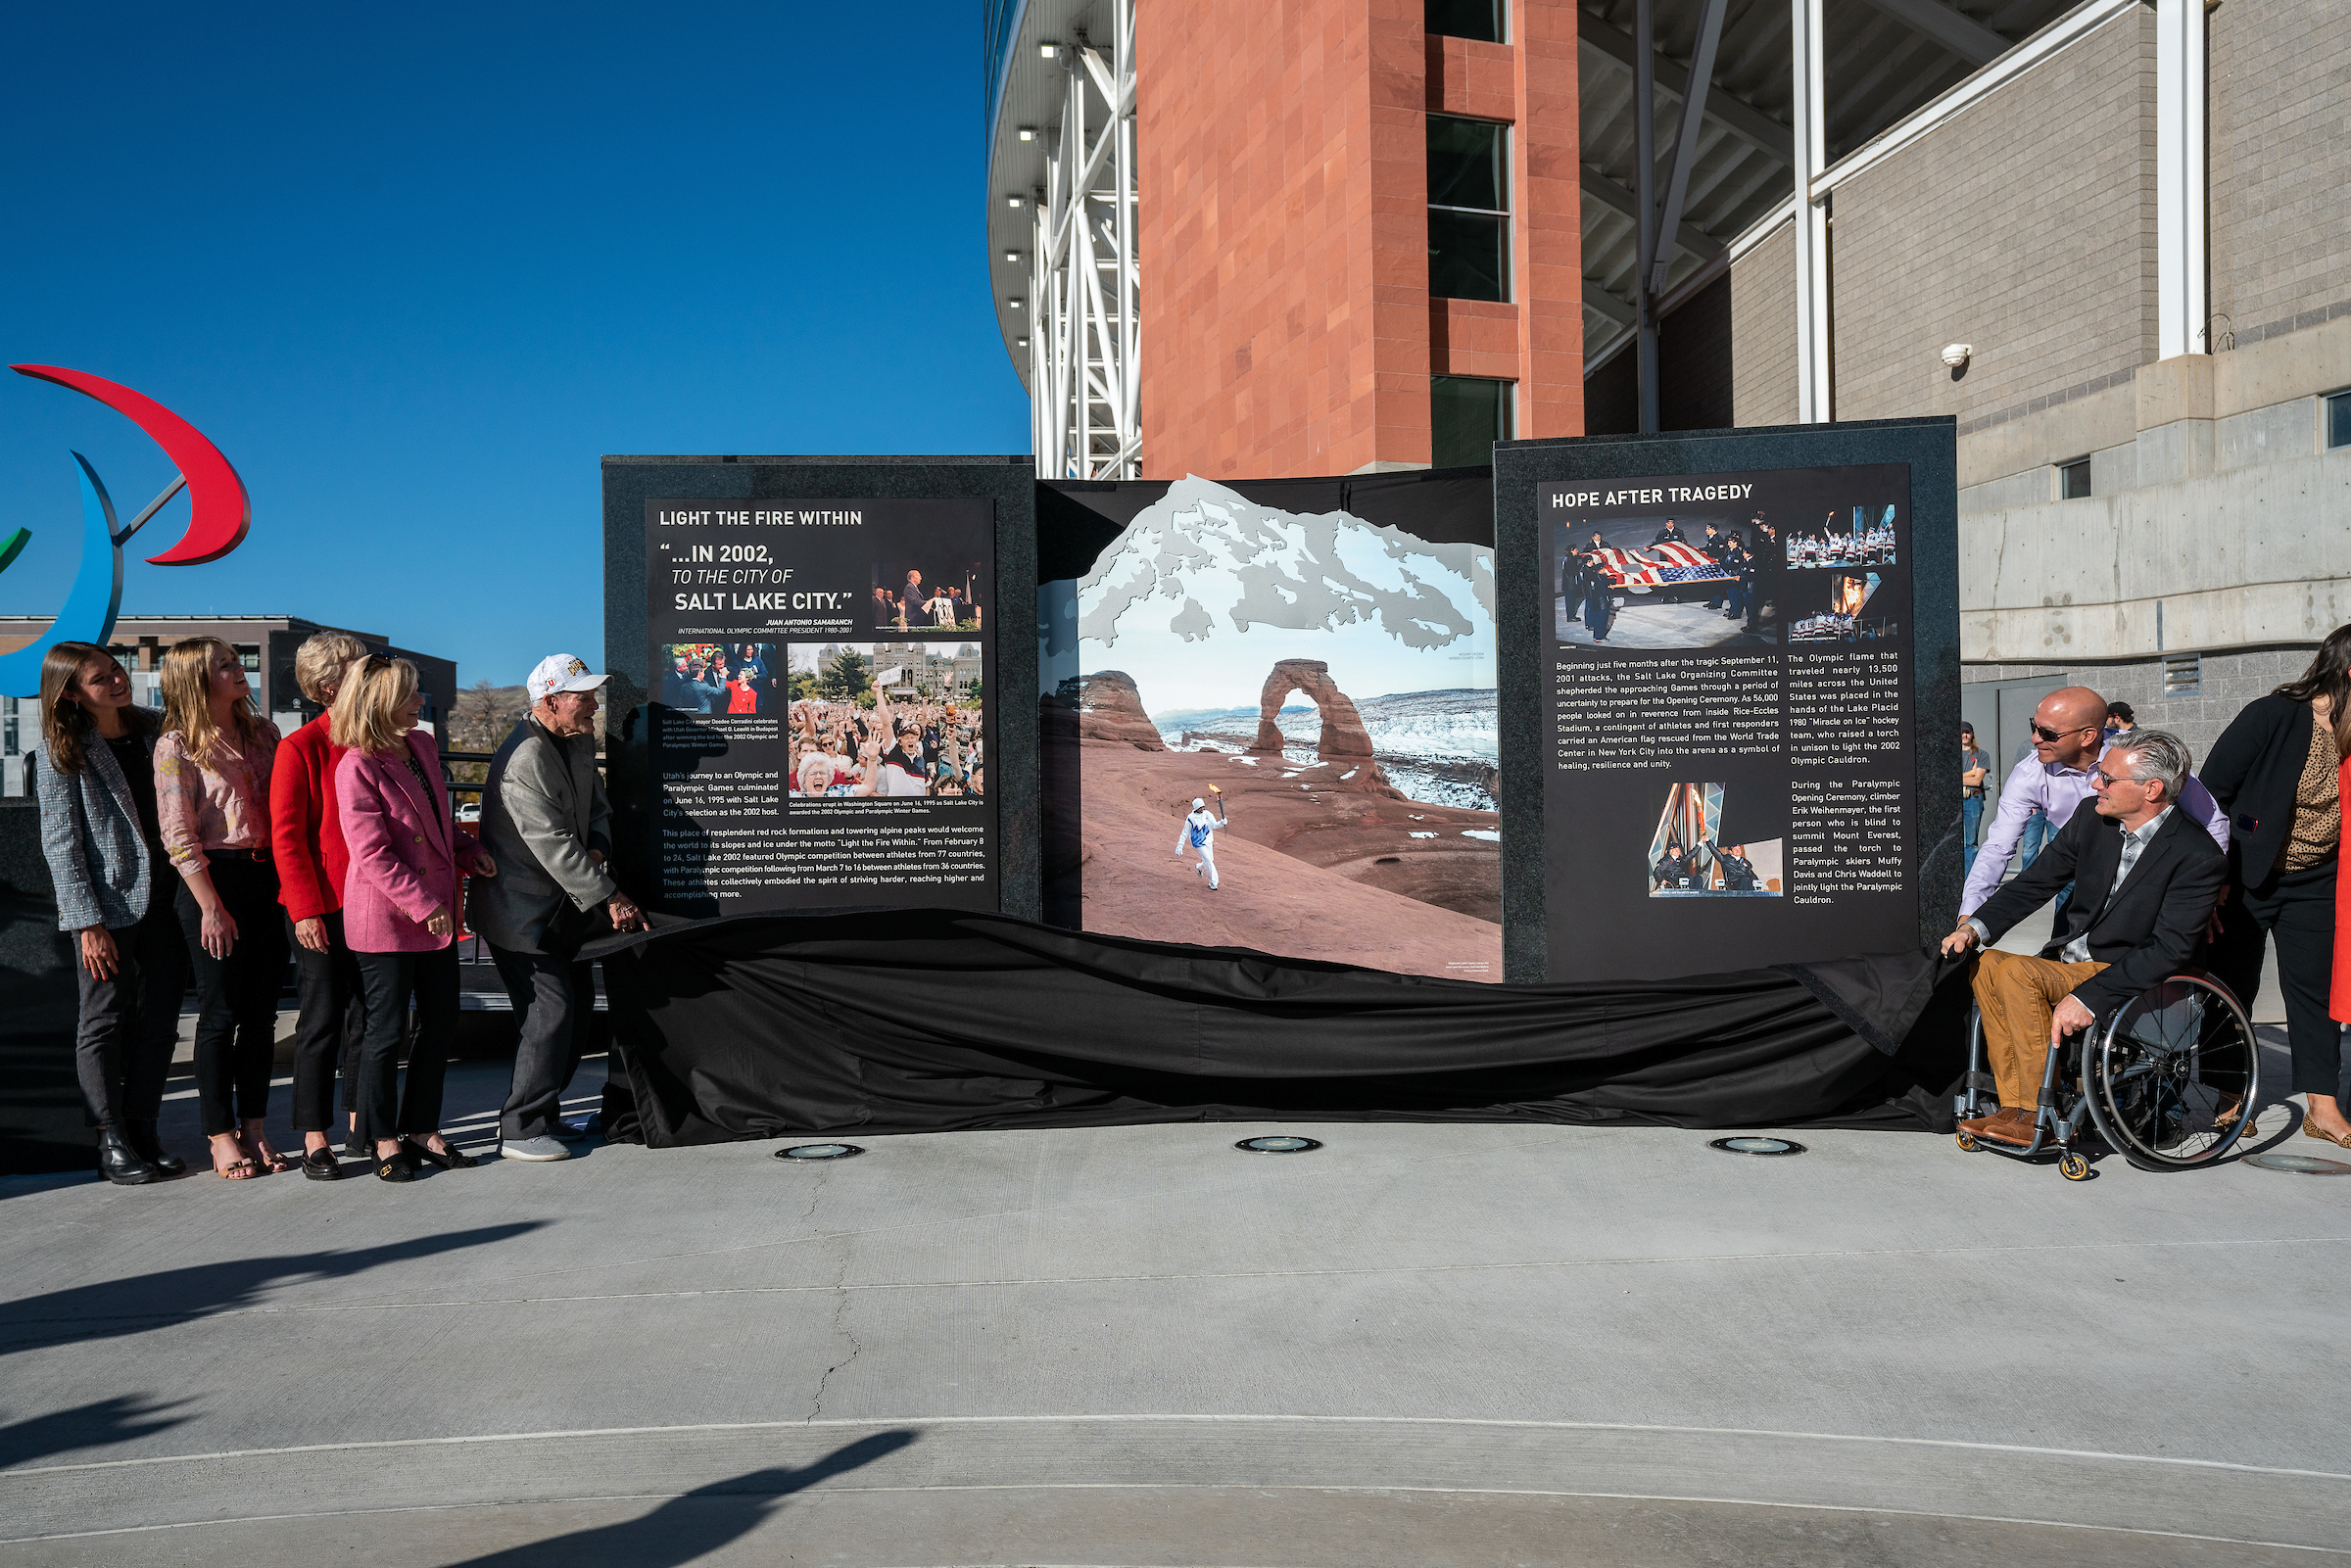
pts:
pixel 1083 394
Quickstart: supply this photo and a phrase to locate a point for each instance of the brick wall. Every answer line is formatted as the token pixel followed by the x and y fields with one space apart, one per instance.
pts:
pixel 1764 333
pixel 1282 171
pixel 2025 226
pixel 2280 139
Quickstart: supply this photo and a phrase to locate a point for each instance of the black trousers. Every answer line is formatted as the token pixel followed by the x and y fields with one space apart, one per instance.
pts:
pixel 129 1024
pixel 389 981
pixel 553 1000
pixel 2297 911
pixel 327 983
pixel 236 1028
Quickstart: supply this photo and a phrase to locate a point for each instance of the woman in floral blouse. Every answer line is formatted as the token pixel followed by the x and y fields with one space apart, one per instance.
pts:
pixel 211 788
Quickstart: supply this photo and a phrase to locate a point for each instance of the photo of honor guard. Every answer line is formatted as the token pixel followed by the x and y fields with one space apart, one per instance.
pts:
pixel 1646 584
pixel 1199 832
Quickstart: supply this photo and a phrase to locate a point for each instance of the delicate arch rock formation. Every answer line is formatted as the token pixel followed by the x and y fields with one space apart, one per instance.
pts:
pixel 1343 733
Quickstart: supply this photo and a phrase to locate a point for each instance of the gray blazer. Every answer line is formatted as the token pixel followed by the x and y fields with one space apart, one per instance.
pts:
pixel 540 818
pixel 90 835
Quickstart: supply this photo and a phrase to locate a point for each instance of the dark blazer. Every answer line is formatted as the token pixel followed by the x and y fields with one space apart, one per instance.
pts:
pixel 2252 770
pixel 2144 930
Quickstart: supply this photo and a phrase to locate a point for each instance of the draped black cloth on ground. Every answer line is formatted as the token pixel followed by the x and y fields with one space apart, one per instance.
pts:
pixel 925 1021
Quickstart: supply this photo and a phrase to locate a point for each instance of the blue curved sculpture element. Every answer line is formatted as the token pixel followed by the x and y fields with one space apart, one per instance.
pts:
pixel 88 613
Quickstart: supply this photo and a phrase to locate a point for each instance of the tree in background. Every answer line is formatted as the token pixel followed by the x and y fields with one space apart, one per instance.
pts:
pixel 846 676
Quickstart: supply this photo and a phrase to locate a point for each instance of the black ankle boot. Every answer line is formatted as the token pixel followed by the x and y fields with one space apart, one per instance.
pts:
pixel 140 1135
pixel 120 1164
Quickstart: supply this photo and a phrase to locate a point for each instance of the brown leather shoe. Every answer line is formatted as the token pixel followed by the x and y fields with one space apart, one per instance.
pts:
pixel 2005 1125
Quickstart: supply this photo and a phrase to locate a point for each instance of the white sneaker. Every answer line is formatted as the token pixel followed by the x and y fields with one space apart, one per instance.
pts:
pixel 539 1148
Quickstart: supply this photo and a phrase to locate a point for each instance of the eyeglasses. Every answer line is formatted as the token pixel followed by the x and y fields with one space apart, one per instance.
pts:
pixel 2108 779
pixel 2048 733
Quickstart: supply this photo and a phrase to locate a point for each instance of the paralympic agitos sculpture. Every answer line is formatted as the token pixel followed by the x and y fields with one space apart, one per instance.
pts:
pixel 220 514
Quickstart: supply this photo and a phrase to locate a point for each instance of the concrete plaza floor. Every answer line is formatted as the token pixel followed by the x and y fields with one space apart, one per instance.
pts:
pixel 1421 1344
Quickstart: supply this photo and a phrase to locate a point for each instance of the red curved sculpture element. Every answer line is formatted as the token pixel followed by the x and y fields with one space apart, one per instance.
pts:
pixel 219 511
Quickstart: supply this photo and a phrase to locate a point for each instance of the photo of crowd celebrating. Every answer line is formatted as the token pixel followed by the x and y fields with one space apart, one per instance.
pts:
pixel 911 599
pixel 861 727
pixel 1687 860
pixel 1664 583
pixel 720 676
pixel 1832 609
pixel 1867 540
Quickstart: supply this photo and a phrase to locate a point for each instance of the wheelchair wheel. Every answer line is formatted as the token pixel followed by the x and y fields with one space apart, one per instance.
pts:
pixel 2171 1079
pixel 2072 1168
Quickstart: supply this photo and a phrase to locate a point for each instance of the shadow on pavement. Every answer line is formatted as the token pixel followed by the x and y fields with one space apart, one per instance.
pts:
pixel 694 1523
pixel 119 1306
pixel 86 1426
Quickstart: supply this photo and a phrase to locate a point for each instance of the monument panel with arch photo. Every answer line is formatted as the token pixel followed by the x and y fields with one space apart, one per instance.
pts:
pixel 1327 684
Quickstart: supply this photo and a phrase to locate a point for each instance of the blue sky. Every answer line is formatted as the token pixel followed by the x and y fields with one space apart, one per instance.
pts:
pixel 417 269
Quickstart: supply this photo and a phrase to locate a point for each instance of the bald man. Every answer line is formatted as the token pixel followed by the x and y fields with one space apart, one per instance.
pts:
pixel 2069 733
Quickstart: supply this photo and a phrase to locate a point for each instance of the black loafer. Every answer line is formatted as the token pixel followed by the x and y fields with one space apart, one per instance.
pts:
pixel 320 1164
pixel 396 1168
pixel 453 1160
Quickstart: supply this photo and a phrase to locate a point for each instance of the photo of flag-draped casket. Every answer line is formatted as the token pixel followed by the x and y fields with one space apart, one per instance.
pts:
pixel 1669 572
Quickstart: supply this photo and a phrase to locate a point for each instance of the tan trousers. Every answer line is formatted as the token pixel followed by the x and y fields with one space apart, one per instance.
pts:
pixel 2019 996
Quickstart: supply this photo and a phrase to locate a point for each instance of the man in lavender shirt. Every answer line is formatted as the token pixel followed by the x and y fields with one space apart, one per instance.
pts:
pixel 2069 733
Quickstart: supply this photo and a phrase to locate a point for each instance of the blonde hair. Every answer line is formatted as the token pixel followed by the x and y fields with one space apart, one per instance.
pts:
pixel 366 714
pixel 187 680
pixel 321 660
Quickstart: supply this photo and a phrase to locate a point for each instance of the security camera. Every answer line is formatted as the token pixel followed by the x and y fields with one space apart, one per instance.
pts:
pixel 1956 354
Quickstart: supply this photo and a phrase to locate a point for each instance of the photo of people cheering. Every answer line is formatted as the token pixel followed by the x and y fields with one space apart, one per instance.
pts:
pixel 721 677
pixel 871 720
pixel 1687 858
pixel 927 597
pixel 1866 539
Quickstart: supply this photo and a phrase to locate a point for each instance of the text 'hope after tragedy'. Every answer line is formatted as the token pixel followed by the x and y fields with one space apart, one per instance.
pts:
pixel 1665 494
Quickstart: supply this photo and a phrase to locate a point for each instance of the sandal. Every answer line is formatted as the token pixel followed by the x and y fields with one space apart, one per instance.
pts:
pixel 241 1169
pixel 2311 1129
pixel 237 1171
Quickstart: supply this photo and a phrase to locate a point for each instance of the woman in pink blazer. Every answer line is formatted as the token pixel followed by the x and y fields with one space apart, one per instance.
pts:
pixel 399 908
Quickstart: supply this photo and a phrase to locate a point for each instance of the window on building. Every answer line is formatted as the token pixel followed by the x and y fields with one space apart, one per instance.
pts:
pixel 1468 209
pixel 2338 420
pixel 9 742
pixel 2073 479
pixel 250 656
pixel 1466 416
pixel 1465 19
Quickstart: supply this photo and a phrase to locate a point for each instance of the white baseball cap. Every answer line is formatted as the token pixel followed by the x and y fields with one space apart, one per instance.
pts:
pixel 1199 804
pixel 560 672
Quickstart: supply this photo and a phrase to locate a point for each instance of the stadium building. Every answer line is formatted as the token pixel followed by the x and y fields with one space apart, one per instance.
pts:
pixel 2107 237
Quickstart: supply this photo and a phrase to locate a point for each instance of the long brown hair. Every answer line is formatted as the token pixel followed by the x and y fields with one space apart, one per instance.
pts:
pixel 2329 677
pixel 62 713
pixel 187 698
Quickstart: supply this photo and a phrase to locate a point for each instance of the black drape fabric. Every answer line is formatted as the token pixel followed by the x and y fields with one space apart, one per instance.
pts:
pixel 919 1021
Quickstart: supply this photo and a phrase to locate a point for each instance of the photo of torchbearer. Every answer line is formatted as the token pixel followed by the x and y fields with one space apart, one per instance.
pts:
pixel 1200 824
pixel 1863 539
pixel 932 596
pixel 1687 860
pixel 884 719
pixel 1836 609
pixel 1663 582
pixel 737 678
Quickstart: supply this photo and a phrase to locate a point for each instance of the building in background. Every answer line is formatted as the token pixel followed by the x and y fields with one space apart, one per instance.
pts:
pixel 2107 236
pixel 265 642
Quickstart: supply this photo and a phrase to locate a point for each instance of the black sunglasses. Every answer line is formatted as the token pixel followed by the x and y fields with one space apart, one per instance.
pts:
pixel 2046 734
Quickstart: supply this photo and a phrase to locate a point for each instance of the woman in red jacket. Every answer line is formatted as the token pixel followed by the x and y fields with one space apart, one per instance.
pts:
pixel 306 841
pixel 400 898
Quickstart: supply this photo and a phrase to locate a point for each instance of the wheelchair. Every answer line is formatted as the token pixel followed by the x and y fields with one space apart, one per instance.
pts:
pixel 2169 1080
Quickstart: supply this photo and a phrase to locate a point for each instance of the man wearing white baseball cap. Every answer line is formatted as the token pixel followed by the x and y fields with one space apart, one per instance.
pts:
pixel 548 825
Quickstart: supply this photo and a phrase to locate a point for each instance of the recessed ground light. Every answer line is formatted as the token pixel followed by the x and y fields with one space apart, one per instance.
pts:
pixel 819 1151
pixel 1756 1146
pixel 1278 1146
pixel 2300 1164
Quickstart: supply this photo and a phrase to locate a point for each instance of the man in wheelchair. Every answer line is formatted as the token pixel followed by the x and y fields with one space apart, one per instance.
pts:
pixel 2145 877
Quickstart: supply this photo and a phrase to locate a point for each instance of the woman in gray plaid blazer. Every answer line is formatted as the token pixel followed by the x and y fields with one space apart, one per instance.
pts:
pixel 94 777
